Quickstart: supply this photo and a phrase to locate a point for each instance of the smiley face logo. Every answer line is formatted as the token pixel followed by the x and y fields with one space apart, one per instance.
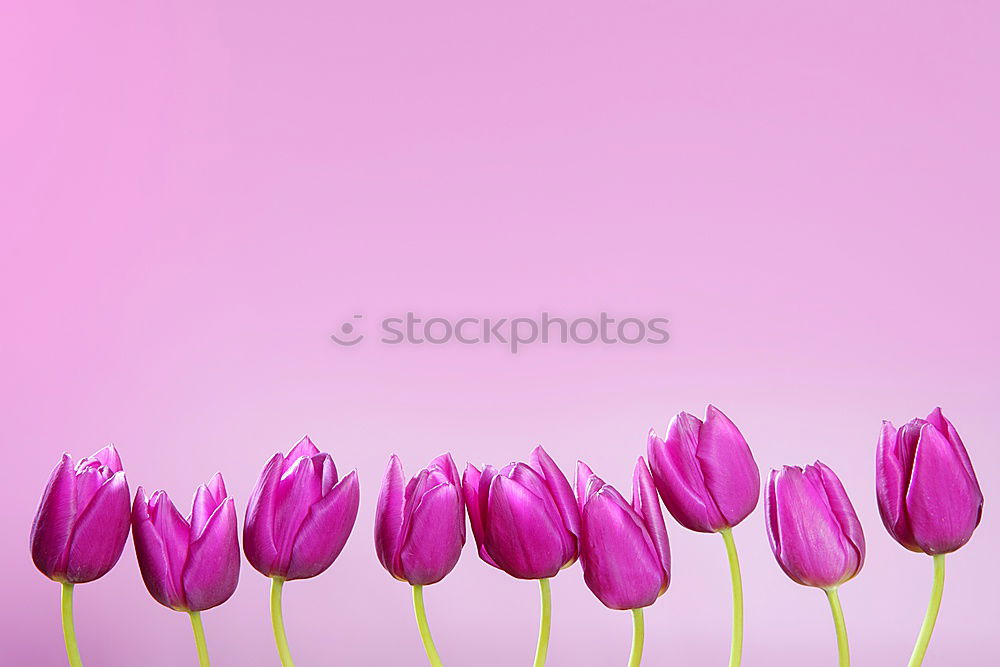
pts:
pixel 347 330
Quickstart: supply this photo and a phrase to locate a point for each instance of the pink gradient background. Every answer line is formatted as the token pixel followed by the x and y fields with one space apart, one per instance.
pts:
pixel 195 194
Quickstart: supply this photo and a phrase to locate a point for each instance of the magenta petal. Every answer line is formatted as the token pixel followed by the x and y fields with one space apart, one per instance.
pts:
pixel 109 457
pixel 947 429
pixel 207 499
pixel 53 524
pixel 100 532
pixel 389 515
pixel 304 448
pixel 647 505
pixel 813 550
pixel 434 536
pixel 325 530
pixel 212 570
pixel 891 480
pixel 619 565
pixel 298 489
pixel 471 479
pixel 258 527
pixel 843 511
pixel 446 464
pixel 943 503
pixel 520 534
pixel 152 555
pixel 730 472
pixel 583 475
pixel 558 485
pixel 678 477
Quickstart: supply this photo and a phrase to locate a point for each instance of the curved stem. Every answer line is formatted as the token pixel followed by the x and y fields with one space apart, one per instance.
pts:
pixel 199 638
pixel 425 630
pixel 69 630
pixel 736 644
pixel 638 638
pixel 544 625
pixel 838 620
pixel 278 623
pixel 937 590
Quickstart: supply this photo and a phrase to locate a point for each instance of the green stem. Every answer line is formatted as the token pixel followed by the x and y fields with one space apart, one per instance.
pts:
pixel 838 620
pixel 544 625
pixel 736 644
pixel 278 622
pixel 638 638
pixel 937 590
pixel 69 630
pixel 199 638
pixel 425 630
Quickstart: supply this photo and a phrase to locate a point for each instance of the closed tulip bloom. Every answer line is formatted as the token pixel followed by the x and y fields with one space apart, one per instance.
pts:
pixel 527 523
pixel 623 547
pixel 704 471
pixel 82 521
pixel 300 514
pixel 524 516
pixel 812 527
pixel 928 494
pixel 188 564
pixel 420 529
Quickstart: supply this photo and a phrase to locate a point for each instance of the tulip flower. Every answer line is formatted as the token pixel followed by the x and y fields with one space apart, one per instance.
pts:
pixel 928 497
pixel 623 548
pixel 191 564
pixel 80 528
pixel 298 520
pixel 815 534
pixel 527 523
pixel 709 481
pixel 420 530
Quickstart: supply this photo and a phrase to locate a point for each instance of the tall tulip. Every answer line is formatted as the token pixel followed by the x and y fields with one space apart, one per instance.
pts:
pixel 623 547
pixel 928 497
pixel 191 564
pixel 80 528
pixel 420 530
pixel 527 523
pixel 815 534
pixel 298 520
pixel 709 481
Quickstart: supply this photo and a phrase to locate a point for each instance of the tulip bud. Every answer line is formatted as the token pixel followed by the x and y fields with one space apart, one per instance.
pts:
pixel 812 527
pixel 420 531
pixel 704 471
pixel 623 548
pixel 82 521
pixel 188 564
pixel 928 494
pixel 524 517
pixel 299 515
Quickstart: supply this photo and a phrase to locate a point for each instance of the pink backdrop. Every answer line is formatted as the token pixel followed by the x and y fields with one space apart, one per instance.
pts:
pixel 197 193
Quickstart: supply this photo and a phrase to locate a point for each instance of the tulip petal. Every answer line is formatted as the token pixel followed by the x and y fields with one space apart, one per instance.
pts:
pixel 843 511
pixel 942 424
pixel 678 477
pixel 389 515
pixel 520 533
pixel 434 536
pixel 730 472
pixel 53 524
pixel 151 553
pixel 212 571
pixel 533 481
pixel 100 532
pixel 207 499
pixel 471 479
pixel 943 503
pixel 813 551
pixel 891 481
pixel 583 475
pixel 619 564
pixel 325 530
pixel 109 457
pixel 304 448
pixel 558 485
pixel 258 526
pixel 647 506
pixel 298 489
pixel 446 464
